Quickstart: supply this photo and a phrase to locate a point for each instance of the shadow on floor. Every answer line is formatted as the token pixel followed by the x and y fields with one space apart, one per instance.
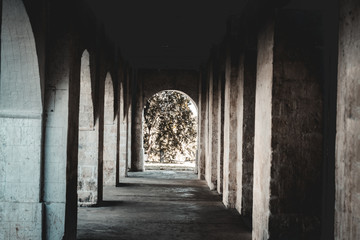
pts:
pixel 158 206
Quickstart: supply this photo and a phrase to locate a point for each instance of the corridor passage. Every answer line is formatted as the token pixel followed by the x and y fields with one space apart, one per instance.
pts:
pixel 161 205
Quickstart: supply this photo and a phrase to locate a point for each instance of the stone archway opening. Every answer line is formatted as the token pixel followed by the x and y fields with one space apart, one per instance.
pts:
pixel 170 132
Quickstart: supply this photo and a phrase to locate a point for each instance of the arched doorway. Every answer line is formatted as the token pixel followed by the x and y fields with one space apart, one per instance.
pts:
pixel 170 131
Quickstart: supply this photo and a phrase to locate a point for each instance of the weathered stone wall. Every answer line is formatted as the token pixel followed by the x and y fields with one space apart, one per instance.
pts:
pixel 202 126
pixel 210 156
pixel 216 128
pixel 110 134
pixel 88 139
pixel 61 130
pixel 347 197
pixel 123 136
pixel 232 129
pixel 220 165
pixel 288 129
pixel 262 138
pixel 20 83
pixel 238 93
pixel 248 132
pixel 21 212
pixel 137 149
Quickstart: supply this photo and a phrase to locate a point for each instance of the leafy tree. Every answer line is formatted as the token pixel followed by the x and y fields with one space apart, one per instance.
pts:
pixel 169 127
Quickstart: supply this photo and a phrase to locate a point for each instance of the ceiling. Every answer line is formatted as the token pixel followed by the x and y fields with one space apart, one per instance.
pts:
pixel 165 34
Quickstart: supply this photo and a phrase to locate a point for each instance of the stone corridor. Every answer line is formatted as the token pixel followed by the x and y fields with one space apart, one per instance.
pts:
pixel 277 91
pixel 161 205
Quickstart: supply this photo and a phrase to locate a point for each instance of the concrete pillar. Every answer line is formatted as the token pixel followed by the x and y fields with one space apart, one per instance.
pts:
pixel 128 137
pixel 102 67
pixel 248 108
pixel 61 130
pixel 123 137
pixel 207 139
pixel 128 107
pixel 88 139
pixel 137 150
pixel 202 126
pixel 211 154
pixel 110 134
pixel 232 128
pixel 347 174
pixel 288 128
pixel 220 164
pixel 216 127
pixel 21 210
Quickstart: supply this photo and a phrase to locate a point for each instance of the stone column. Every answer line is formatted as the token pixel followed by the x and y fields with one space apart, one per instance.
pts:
pixel 216 126
pixel 137 150
pixel 88 139
pixel 62 91
pixel 220 164
pixel 110 134
pixel 202 126
pixel 248 108
pixel 211 160
pixel 347 174
pixel 123 136
pixel 232 128
pixel 288 128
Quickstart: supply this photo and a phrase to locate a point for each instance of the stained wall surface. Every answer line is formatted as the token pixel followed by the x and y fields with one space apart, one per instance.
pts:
pixel 21 212
pixel 88 139
pixel 294 146
pixel 110 134
pixel 347 197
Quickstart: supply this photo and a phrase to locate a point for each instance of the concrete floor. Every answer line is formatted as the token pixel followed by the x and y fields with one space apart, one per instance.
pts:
pixel 161 205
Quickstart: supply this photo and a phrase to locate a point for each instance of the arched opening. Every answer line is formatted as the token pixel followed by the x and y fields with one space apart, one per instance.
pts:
pixel 21 110
pixel 88 139
pixel 170 132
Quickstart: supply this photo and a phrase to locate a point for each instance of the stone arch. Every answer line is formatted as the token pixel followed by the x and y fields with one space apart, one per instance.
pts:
pixel 191 99
pixel 185 81
pixel 20 125
pixel 192 102
pixel 110 133
pixel 20 86
pixel 88 139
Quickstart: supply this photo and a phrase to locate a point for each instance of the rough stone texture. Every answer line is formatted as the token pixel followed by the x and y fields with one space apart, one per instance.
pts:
pixel 220 165
pixel 210 156
pixel 20 127
pixel 204 127
pixel 20 210
pixel 216 128
pixel 61 136
pixel 137 149
pixel 347 197
pixel 122 138
pixel 262 138
pixel 201 132
pixel 110 134
pixel 128 142
pixel 20 80
pixel 102 73
pixel 232 131
pixel 248 132
pixel 288 134
pixel 238 93
pixel 88 140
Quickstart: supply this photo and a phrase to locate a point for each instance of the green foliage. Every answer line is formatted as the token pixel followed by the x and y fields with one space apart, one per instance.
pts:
pixel 169 127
